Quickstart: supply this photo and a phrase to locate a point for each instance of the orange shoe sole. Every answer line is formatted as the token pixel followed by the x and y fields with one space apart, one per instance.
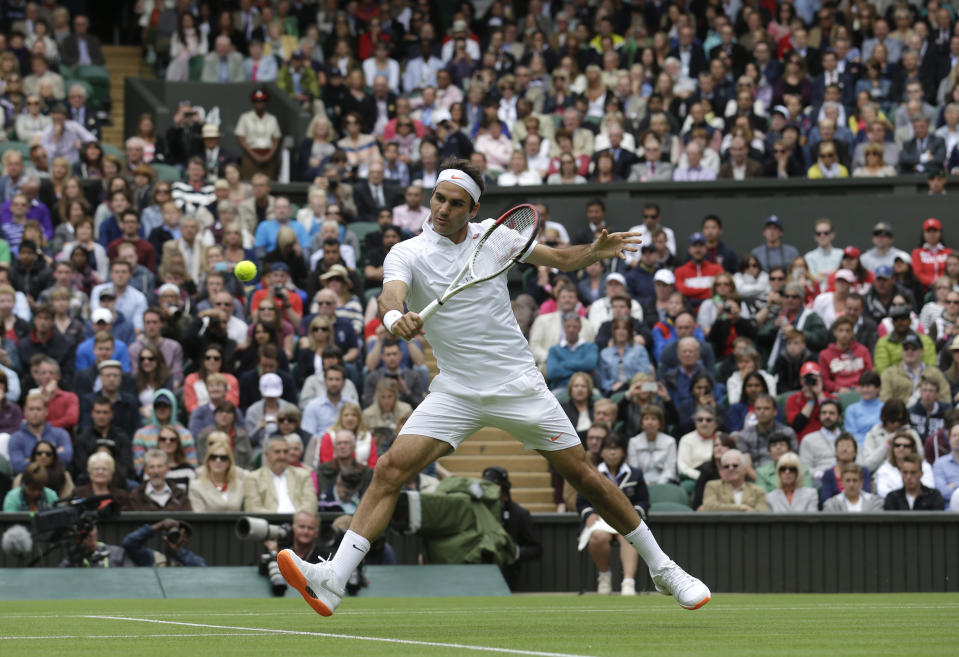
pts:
pixel 701 603
pixel 295 578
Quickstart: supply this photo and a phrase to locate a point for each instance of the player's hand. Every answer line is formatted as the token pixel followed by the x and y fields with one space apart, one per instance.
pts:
pixel 408 326
pixel 616 245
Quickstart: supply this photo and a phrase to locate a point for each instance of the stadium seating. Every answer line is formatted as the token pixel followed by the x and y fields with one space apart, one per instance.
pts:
pixel 667 493
pixel 668 507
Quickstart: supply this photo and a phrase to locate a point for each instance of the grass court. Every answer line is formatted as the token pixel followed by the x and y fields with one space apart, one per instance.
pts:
pixel 544 625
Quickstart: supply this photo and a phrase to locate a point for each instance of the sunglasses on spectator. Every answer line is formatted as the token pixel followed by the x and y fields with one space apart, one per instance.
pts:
pixel 650 216
pixel 147 359
pixel 267 307
pixel 167 439
pixel 705 419
pixel 321 328
pixel 903 445
pixel 731 466
pixel 793 296
pixel 823 233
pixel 286 419
pixel 213 357
pixel 220 457
pixel 44 452
pixel 777 278
pixel 789 468
pixel 324 303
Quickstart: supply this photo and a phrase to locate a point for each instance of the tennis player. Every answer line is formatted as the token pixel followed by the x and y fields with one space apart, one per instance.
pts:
pixel 487 377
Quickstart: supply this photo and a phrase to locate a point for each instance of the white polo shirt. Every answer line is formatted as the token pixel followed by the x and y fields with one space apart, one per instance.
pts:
pixel 477 343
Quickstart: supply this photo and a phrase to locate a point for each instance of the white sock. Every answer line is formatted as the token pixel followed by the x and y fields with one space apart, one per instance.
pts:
pixel 352 549
pixel 605 573
pixel 645 543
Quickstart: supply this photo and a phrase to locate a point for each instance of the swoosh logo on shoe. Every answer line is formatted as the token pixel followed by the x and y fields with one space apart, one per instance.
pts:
pixel 555 438
pixel 325 585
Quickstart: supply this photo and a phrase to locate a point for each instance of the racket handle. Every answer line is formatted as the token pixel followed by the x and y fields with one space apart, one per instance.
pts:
pixel 430 310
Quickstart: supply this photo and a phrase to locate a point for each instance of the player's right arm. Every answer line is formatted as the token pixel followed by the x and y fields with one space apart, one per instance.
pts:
pixel 394 294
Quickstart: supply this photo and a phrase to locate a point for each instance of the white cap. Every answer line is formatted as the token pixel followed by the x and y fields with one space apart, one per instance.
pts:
pixel 168 287
pixel 271 385
pixel 665 276
pixel 101 315
pixel 616 276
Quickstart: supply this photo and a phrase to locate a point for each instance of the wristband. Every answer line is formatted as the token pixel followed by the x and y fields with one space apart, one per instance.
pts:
pixel 390 318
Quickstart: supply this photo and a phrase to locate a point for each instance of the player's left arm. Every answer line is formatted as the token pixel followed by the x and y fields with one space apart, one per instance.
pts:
pixel 571 258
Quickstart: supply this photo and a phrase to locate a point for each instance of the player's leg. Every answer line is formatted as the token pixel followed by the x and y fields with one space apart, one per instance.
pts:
pixel 322 585
pixel 613 506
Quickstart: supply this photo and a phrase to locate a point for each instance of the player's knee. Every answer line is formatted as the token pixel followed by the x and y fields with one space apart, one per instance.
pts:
pixel 390 472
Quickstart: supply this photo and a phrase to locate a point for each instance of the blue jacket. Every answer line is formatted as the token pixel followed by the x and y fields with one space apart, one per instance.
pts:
pixel 22 442
pixel 641 285
pixel 141 555
pixel 830 487
pixel 635 360
pixel 85 357
pixel 860 417
pixel 562 363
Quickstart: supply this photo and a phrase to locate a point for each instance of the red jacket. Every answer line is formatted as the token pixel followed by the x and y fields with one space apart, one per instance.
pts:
pixel 929 263
pixel 696 281
pixel 794 404
pixel 841 369
pixel 63 410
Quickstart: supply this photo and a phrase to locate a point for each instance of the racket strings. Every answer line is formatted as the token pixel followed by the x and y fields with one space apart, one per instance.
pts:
pixel 504 244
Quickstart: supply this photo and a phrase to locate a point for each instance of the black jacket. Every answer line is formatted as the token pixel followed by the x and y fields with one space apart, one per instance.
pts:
pixel 31 281
pixel 126 412
pixel 85 444
pixel 929 499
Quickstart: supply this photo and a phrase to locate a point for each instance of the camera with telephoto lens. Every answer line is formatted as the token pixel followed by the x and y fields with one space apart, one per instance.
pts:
pixel 809 380
pixel 259 530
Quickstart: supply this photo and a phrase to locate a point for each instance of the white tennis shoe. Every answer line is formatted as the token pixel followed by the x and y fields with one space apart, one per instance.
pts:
pixel 314 581
pixel 604 584
pixel 689 592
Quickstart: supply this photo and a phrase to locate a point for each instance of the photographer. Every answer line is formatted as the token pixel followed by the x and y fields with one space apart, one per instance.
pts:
pixel 174 534
pixel 802 407
pixel 91 553
pixel 303 537
pixel 278 287
pixel 185 135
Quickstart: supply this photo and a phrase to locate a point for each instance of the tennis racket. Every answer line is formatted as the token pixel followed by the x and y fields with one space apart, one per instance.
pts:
pixel 497 250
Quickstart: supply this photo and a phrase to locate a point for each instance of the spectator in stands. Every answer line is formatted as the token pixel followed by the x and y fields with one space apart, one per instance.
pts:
pixel 33 494
pixel 924 150
pixel 790 496
pixel 258 133
pixel 220 487
pixel 695 278
pixel 652 451
pixel 263 413
pixel 623 358
pixel 774 252
pixel 914 495
pixel 164 415
pixel 44 340
pixel 275 487
pixel 12 172
pixel 386 410
pixel 927 414
pixel 929 259
pixel 58 479
pixel 861 416
pixel 156 493
pixel 81 48
pixel 732 492
pixel 29 272
pixel 946 468
pixel 547 329
pixel 901 380
pixel 755 440
pixel 571 354
pixel 844 361
pixel 793 316
pixel 32 122
pixel 321 411
pixel 817 450
pixel 409 384
pixel 883 252
pixel 101 475
pixel 259 67
pixel 695 447
pixel 852 498
pixel 888 475
pixel 63 407
pixel 102 433
pixel 181 473
pixel 320 449
pixel 802 407
pixel 63 137
pixel 678 380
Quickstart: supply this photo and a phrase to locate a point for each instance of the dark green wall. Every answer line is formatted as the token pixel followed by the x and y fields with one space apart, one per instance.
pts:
pixel 754 553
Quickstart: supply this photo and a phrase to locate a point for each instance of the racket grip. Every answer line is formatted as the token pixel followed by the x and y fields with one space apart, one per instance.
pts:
pixel 430 310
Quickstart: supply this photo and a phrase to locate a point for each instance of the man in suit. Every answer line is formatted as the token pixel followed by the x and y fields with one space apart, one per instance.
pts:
pixel 623 159
pixel 276 487
pixel 740 166
pixel 769 67
pixel 78 111
pixel 689 53
pixel 652 168
pixel 799 40
pixel 223 64
pixel 923 150
pixel 831 75
pixel 893 46
pixel 374 193
pixel 852 498
pixel 214 156
pixel 729 50
pixel 913 496
pixel 731 492
pixel 81 48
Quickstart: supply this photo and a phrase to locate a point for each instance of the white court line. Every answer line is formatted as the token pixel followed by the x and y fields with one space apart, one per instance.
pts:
pixel 353 637
pixel 71 637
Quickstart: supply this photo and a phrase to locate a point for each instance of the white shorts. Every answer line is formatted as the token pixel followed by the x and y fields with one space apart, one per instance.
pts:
pixel 523 408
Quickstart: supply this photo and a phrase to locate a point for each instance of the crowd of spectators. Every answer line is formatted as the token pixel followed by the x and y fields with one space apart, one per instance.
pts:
pixel 133 363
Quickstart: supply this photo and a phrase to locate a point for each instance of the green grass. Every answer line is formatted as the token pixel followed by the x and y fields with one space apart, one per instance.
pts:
pixel 734 625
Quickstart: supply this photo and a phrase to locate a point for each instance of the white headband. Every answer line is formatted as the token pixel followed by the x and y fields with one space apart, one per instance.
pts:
pixel 461 179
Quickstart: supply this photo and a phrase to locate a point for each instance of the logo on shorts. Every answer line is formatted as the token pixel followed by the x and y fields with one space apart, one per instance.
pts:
pixel 555 438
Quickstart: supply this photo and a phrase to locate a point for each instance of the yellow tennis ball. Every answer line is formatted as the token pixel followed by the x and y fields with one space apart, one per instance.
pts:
pixel 245 271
